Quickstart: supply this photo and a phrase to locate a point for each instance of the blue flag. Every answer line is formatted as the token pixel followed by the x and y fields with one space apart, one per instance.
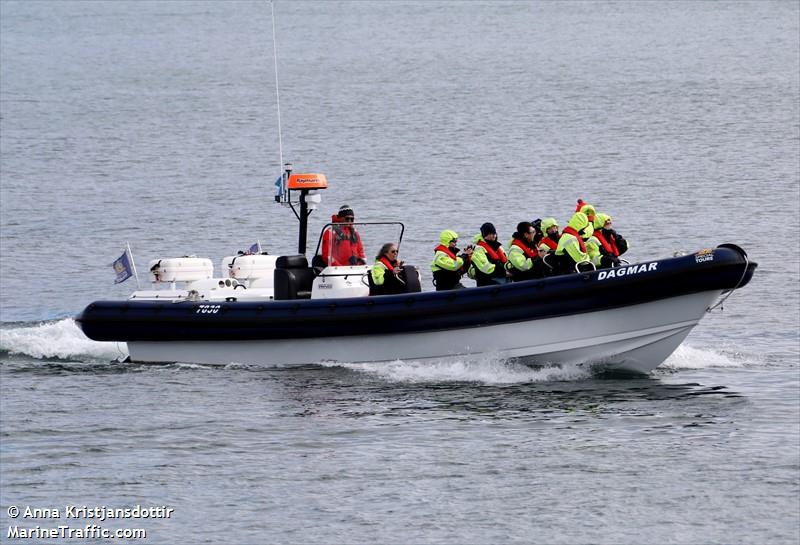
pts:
pixel 279 189
pixel 255 248
pixel 122 267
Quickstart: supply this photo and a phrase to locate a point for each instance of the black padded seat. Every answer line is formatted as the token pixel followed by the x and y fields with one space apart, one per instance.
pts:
pixel 293 278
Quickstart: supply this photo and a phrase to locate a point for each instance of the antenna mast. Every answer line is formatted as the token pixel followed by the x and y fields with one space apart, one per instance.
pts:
pixel 278 101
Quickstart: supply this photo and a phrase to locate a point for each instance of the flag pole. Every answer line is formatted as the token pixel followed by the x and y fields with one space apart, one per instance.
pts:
pixel 133 265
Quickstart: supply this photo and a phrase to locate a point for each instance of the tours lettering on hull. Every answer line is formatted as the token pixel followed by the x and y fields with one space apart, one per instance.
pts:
pixel 704 255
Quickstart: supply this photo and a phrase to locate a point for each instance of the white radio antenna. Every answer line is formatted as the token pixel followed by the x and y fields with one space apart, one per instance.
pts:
pixel 277 91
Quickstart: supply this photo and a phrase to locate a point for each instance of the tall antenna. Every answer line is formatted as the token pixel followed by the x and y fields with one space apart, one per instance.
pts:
pixel 277 93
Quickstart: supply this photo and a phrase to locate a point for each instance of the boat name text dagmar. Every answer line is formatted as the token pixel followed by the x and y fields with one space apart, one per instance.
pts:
pixel 627 271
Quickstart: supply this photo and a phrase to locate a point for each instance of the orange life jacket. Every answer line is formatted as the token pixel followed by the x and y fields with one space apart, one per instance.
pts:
pixel 610 246
pixel 574 233
pixel 388 264
pixel 529 252
pixel 550 243
pixel 496 256
pixel 445 249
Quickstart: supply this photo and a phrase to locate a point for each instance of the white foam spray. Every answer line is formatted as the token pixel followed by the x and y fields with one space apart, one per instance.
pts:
pixel 62 339
pixel 482 370
pixel 495 370
pixel 688 357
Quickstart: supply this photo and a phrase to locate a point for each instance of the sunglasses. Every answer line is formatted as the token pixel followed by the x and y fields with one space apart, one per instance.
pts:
pixel 349 218
pixel 392 251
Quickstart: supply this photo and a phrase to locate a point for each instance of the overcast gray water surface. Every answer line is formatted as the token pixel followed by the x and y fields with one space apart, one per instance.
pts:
pixel 155 123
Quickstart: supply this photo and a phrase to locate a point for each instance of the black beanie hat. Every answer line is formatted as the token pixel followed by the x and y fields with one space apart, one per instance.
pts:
pixel 345 211
pixel 488 229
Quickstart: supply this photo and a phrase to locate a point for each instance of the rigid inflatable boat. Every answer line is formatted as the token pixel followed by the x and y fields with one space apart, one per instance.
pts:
pixel 281 310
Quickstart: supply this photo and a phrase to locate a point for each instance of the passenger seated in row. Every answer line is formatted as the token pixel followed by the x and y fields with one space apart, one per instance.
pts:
pixel 610 244
pixel 551 235
pixel 548 245
pixel 448 265
pixel 387 276
pixel 524 262
pixel 489 259
pixel 342 242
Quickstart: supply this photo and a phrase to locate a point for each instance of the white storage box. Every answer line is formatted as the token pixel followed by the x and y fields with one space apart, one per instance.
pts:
pixel 180 269
pixel 250 267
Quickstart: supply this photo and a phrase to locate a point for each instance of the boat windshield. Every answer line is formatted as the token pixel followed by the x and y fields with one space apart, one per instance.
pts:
pixel 348 244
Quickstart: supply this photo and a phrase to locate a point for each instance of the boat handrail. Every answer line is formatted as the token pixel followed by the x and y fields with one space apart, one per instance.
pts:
pixel 359 223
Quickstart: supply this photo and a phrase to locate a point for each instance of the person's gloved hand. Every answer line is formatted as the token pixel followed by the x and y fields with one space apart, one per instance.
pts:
pixel 356 261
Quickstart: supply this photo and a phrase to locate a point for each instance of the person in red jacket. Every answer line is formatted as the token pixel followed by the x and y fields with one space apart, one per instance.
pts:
pixel 342 242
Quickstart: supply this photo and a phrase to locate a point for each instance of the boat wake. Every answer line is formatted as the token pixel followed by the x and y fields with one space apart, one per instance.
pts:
pixel 62 340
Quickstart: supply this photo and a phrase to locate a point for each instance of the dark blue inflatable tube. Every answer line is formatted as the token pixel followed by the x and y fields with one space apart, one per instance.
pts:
pixel 726 267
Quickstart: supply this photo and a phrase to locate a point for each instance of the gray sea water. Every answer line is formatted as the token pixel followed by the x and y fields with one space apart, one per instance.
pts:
pixel 155 123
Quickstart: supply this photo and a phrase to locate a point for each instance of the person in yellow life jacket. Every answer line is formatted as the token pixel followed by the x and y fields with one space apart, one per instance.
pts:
pixel 489 259
pixel 610 245
pixel 551 235
pixel 524 262
pixel 571 254
pixel 386 275
pixel 548 245
pixel 448 266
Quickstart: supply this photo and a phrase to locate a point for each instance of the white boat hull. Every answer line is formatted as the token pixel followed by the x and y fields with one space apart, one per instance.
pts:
pixel 634 339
